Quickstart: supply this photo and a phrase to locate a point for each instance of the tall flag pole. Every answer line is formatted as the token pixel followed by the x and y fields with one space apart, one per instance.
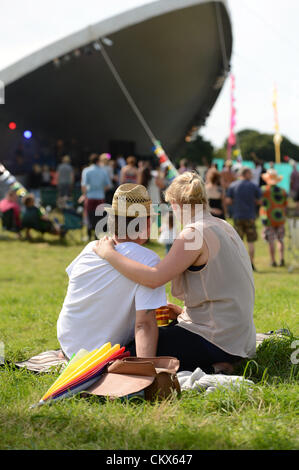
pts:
pixel 232 137
pixel 277 139
pixel 170 170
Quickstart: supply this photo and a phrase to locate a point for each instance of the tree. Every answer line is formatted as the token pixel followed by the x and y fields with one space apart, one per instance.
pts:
pixel 199 151
pixel 253 143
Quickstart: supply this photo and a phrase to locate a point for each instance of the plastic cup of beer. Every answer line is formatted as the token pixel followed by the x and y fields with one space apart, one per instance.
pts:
pixel 162 316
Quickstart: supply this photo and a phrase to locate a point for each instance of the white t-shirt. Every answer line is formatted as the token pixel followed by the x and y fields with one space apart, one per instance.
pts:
pixel 256 174
pixel 101 304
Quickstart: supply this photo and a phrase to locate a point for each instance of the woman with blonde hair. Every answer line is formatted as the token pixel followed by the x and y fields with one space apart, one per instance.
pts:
pixel 211 272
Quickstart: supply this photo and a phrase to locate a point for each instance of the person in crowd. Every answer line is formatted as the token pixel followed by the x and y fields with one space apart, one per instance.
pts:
pixel 183 166
pixel 92 313
pixel 263 171
pixel 46 176
pixel 129 172
pixel 95 183
pixel 245 196
pixel 215 193
pixel 114 178
pixel 65 178
pixel 104 163
pixel 257 172
pixel 168 232
pixel 35 181
pixel 34 217
pixel 54 177
pixel 121 162
pixel 211 169
pixel 10 202
pixel 273 214
pixel 215 327
pixel 227 175
pixel 154 182
pixel 294 181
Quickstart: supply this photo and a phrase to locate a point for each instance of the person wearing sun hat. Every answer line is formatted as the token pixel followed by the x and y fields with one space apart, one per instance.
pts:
pixel 273 214
pixel 102 305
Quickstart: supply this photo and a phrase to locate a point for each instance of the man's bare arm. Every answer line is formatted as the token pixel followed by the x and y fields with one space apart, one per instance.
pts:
pixel 146 333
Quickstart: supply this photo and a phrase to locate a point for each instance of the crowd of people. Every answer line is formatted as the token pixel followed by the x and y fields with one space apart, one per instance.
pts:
pixel 96 184
pixel 238 193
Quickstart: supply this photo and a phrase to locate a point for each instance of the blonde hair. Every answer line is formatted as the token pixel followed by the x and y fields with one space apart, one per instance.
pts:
pixel 188 188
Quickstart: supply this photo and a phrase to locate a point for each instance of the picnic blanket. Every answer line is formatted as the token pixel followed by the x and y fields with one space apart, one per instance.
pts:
pixel 46 361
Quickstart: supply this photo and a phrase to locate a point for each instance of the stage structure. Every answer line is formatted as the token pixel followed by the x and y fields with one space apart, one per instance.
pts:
pixel 171 56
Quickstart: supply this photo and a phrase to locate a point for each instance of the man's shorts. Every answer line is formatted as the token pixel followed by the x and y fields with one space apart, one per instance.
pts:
pixel 246 228
pixel 270 234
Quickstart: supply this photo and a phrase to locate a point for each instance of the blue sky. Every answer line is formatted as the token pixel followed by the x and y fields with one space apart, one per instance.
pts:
pixel 265 52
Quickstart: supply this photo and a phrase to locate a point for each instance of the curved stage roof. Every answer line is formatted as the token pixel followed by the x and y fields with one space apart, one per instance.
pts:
pixel 170 55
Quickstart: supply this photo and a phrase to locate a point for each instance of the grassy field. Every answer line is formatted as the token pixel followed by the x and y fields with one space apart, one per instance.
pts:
pixel 32 288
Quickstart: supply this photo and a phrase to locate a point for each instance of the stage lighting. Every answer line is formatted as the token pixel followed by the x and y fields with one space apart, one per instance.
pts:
pixel 97 46
pixel 27 134
pixel 107 41
pixel 12 126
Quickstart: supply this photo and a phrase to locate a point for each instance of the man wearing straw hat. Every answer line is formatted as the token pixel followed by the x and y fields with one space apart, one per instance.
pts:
pixel 272 212
pixel 101 304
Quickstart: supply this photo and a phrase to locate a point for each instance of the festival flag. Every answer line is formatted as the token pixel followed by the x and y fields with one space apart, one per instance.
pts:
pixel 232 137
pixel 82 371
pixel 165 163
pixel 10 182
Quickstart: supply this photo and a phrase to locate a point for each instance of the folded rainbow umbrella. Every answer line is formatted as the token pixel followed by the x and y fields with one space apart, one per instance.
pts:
pixel 82 371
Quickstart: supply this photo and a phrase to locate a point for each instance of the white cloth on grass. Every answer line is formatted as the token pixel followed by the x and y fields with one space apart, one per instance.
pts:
pixel 199 380
pixel 101 304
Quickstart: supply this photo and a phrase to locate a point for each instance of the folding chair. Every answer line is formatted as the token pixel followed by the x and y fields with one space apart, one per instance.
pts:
pixel 49 197
pixel 9 221
pixel 293 225
pixel 72 221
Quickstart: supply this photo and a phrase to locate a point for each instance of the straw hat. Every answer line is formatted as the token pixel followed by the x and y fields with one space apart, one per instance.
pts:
pixel 271 177
pixel 127 195
pixel 155 375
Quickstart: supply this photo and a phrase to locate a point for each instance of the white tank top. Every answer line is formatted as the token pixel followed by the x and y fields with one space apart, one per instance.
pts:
pixel 219 299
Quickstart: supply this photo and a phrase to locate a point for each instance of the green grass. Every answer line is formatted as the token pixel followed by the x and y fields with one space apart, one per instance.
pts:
pixel 32 288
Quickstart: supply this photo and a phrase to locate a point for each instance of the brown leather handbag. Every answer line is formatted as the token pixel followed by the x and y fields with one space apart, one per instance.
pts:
pixel 151 377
